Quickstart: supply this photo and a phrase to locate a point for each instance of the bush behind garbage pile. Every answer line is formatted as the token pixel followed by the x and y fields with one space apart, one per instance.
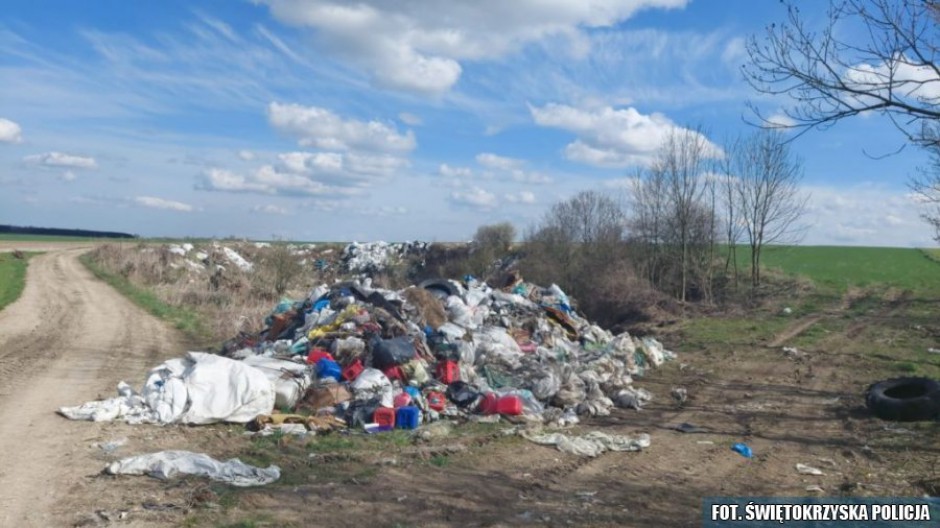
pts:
pixel 519 350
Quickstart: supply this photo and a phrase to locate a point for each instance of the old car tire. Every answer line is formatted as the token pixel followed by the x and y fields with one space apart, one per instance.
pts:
pixel 904 399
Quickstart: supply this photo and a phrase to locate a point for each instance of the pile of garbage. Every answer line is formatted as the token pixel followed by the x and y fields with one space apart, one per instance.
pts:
pixel 355 356
pixel 374 257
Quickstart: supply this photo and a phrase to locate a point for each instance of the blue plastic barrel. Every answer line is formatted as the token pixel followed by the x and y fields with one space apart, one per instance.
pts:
pixel 327 368
pixel 407 417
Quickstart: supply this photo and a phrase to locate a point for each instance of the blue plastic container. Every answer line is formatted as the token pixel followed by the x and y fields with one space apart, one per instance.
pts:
pixel 414 392
pixel 407 417
pixel 329 369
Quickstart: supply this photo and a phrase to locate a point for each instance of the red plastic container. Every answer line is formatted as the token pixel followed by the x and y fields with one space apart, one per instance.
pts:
pixel 384 416
pixel 509 405
pixel 447 372
pixel 317 354
pixel 394 373
pixel 436 400
pixel 353 370
pixel 402 400
pixel 488 405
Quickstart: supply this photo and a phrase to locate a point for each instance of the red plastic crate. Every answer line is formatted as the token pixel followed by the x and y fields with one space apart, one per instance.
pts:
pixel 394 373
pixel 384 416
pixel 353 370
pixel 447 372
pixel 509 405
pixel 436 400
pixel 317 354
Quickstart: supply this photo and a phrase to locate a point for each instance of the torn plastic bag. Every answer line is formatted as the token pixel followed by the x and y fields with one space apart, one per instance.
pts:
pixel 463 395
pixel 458 312
pixel 372 383
pixel 167 464
pixel 593 443
pixel 631 398
pixel 494 344
pixel 572 390
pixel 653 350
pixel 387 353
pixel 359 413
pixel 545 384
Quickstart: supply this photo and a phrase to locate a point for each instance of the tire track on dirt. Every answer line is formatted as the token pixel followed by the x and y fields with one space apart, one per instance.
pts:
pixel 68 339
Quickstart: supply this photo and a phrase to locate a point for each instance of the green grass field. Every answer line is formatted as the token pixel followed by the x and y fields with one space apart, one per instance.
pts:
pixel 18 237
pixel 837 268
pixel 12 277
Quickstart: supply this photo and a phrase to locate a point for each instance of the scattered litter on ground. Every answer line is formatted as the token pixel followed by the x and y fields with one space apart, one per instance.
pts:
pixel 787 310
pixel 933 350
pixel 592 444
pixel 167 464
pixel 680 394
pixel 705 442
pixel 743 450
pixel 792 353
pixel 689 428
pixel 814 489
pixel 803 469
pixel 110 446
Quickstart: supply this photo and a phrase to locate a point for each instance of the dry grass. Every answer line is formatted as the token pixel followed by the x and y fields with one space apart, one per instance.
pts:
pixel 227 300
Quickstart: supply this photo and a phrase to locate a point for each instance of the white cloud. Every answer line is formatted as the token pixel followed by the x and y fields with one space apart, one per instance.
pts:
pixel 522 176
pixel 270 209
pixel 865 214
pixel 410 119
pixel 475 197
pixel 268 179
pixel 905 77
pixel 58 159
pixel 418 45
pixel 246 155
pixel 492 161
pixel 321 128
pixel 10 132
pixel 454 172
pixel 609 137
pixel 159 203
pixel 523 197
pixel 68 176
pixel 780 120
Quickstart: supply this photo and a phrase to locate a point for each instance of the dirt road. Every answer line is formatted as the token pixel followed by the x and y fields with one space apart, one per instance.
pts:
pixel 68 339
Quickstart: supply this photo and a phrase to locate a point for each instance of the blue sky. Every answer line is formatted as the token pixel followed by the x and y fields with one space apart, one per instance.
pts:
pixel 314 120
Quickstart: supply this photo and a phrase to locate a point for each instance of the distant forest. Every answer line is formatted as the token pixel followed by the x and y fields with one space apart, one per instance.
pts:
pixel 55 231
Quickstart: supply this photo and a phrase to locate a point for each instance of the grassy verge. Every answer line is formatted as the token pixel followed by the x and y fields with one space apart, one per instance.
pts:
pixel 183 319
pixel 12 277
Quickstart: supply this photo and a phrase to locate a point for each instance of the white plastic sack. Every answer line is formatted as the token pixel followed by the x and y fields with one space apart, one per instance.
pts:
pixel 593 443
pixel 197 389
pixel 167 464
pixel 373 383
pixel 290 379
pixel 495 343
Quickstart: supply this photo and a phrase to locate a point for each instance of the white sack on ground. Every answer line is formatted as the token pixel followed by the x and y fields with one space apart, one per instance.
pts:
pixel 290 378
pixel 593 443
pixel 197 389
pixel 167 464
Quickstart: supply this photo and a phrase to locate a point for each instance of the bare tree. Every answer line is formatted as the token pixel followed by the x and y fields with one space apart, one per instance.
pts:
pixel 673 214
pixel 726 187
pixel 577 241
pixel 891 70
pixel 767 187
pixel 926 186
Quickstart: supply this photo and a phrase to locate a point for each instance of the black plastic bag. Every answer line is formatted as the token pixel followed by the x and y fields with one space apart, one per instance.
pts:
pixel 388 353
